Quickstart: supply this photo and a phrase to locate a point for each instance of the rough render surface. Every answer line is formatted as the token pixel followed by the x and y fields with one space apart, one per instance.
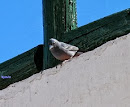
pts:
pixel 100 78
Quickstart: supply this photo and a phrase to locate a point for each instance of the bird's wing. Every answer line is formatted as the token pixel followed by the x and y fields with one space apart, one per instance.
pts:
pixel 69 47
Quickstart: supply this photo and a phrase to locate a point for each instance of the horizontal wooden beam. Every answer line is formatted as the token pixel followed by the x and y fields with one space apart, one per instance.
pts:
pixel 92 35
pixel 21 66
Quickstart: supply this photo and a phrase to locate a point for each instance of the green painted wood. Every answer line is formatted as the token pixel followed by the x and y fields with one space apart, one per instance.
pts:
pixel 21 66
pixel 59 17
pixel 92 35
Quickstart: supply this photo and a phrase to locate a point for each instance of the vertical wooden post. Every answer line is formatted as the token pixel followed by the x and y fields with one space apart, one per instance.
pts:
pixel 59 16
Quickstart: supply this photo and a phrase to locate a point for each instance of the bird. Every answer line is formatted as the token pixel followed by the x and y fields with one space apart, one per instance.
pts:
pixel 63 51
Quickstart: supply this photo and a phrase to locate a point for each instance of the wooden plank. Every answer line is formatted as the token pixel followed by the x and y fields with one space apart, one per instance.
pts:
pixel 59 17
pixel 21 66
pixel 92 35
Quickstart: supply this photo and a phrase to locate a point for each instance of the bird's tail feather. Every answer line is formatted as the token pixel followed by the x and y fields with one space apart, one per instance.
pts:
pixel 78 53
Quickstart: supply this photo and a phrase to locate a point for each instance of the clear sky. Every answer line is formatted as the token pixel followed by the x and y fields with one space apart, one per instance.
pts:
pixel 21 22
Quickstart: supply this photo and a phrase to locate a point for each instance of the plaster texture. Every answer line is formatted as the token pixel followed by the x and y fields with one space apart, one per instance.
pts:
pixel 99 78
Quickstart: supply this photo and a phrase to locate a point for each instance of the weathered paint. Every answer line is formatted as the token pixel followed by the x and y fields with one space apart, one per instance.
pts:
pixel 92 35
pixel 59 17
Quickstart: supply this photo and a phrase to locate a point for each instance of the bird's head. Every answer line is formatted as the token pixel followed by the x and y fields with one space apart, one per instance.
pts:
pixel 53 43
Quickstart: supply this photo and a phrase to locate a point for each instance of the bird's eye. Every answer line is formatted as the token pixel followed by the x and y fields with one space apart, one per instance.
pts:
pixel 53 43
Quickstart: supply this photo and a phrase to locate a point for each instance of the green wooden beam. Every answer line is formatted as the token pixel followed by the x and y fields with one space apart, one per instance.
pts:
pixel 92 35
pixel 21 66
pixel 59 17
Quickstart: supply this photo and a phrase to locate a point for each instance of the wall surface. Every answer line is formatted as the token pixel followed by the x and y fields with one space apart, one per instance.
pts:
pixel 99 78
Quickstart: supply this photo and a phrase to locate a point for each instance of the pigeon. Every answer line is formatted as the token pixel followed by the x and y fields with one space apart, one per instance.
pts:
pixel 63 51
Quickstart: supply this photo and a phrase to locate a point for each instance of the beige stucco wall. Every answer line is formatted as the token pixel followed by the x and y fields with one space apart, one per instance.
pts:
pixel 100 78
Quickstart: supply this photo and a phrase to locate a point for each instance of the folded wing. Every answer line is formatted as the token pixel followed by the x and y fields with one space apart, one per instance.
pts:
pixel 69 47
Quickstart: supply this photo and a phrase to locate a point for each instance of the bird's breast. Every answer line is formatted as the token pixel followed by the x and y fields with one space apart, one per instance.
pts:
pixel 62 54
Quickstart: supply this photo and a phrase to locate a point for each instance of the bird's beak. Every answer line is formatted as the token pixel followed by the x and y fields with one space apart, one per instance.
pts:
pixel 51 47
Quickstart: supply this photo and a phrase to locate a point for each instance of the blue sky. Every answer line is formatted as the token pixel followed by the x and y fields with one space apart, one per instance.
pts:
pixel 21 22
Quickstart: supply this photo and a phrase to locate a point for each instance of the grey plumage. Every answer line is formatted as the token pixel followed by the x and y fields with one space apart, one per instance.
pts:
pixel 62 51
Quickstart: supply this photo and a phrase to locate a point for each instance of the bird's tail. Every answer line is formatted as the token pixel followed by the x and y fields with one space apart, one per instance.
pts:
pixel 78 53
